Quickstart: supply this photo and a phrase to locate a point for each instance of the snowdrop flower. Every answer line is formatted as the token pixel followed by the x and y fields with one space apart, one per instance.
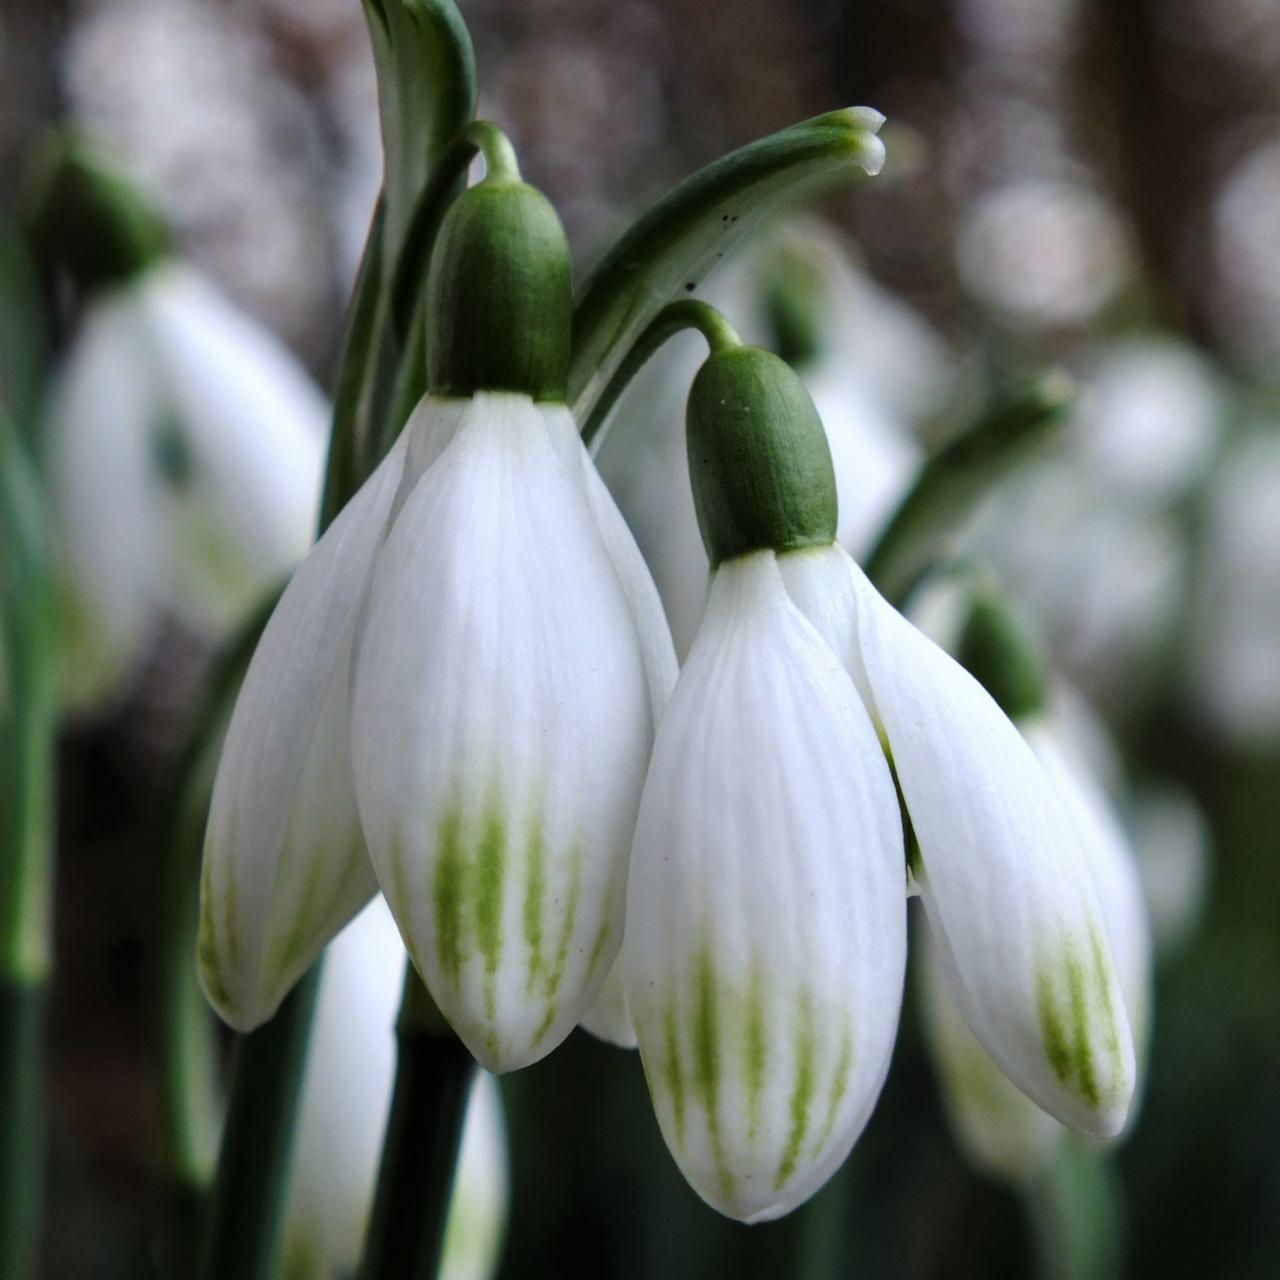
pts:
pixel 1235 642
pixel 852 344
pixel 765 940
pixel 346 1096
pixel 456 697
pixel 185 455
pixel 998 1126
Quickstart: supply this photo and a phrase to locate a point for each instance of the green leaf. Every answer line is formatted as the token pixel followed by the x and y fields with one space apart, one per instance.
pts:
pixel 426 92
pixel 952 482
pixel 670 249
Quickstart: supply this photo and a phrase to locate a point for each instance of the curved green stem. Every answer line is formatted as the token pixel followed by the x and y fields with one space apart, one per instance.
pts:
pixel 675 317
pixel 478 138
pixel 952 482
pixel 434 1073
pixel 28 721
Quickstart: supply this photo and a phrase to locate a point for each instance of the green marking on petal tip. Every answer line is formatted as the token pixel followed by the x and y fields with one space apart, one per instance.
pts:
pixel 1101 970
pixel 489 873
pixel 674 1076
pixel 839 1084
pixel 556 973
pixel 706 1059
pixel 1065 1033
pixel 447 890
pixel 755 1051
pixel 545 1025
pixel 801 1094
pixel 535 888
pixel 1086 1071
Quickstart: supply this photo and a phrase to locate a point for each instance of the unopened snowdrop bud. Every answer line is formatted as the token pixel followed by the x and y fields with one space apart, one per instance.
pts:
pixel 765 939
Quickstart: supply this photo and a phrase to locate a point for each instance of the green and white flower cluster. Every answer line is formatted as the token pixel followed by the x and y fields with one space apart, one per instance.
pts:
pixel 468 700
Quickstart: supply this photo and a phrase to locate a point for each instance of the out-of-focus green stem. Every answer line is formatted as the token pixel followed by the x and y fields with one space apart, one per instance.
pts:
pixel 434 1072
pixel 958 477
pixel 28 715
pixel 190 1102
pixel 246 1214
pixel 1076 1217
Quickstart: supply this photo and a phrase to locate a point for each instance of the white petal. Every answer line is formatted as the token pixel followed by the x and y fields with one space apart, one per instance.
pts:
pixel 501 731
pixel 659 654
pixel 766 915
pixel 608 1019
pixel 285 865
pixel 110 565
pixel 346 1092
pixel 1114 869
pixel 1000 1130
pixel 250 428
pixel 1005 885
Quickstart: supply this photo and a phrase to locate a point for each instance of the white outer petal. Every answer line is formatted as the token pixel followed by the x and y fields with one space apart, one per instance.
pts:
pixel 608 1019
pixel 110 551
pixel 285 864
pixel 254 427
pixel 999 1129
pixel 1007 891
pixel 502 726
pixel 766 915
pixel 1114 869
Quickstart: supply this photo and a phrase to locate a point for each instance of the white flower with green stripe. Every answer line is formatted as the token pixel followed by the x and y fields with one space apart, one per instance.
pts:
pixel 769 874
pixel 456 698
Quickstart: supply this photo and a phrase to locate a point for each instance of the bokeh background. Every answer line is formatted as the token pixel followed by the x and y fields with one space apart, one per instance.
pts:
pixel 1065 177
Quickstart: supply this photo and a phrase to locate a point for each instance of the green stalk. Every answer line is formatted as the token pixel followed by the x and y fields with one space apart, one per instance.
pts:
pixel 1076 1216
pixel 246 1214
pixel 28 715
pixel 434 1073
pixel 675 317
pixel 956 479
pixel 190 1101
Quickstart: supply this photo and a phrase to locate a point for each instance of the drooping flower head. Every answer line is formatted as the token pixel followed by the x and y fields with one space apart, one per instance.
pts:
pixel 455 700
pixel 766 914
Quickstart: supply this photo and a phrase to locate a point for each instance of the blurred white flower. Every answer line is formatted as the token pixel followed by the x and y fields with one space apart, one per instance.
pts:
pixel 1235 642
pixel 346 1096
pixel 1174 846
pixel 185 457
pixel 1045 252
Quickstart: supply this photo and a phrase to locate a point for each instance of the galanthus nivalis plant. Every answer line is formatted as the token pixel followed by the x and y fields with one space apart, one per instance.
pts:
pixel 766 932
pixel 456 698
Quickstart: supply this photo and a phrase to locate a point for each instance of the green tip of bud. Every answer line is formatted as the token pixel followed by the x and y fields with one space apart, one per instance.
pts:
pixel 499 295
pixel 999 648
pixel 85 210
pixel 758 457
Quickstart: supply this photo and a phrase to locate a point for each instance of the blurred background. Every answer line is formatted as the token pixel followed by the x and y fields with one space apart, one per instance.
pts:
pixel 1077 182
